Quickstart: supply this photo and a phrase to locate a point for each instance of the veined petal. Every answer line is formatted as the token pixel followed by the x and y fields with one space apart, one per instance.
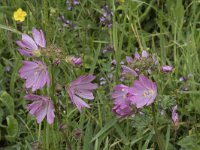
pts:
pixel 79 103
pixel 83 79
pixel 39 37
pixel 85 94
pixel 28 41
pixel 50 113
pixel 41 112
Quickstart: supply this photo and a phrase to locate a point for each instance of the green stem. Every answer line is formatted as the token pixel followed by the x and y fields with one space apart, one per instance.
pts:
pixel 157 135
pixel 45 9
pixel 47 136
pixel 53 97
pixel 39 132
pixel 115 44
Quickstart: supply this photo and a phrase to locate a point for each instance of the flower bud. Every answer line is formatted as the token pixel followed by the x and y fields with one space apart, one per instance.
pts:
pixel 74 60
pixel 166 69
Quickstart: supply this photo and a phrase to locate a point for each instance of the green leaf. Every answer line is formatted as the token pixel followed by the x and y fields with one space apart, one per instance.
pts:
pixel 8 101
pixel 122 135
pixel 12 128
pixel 9 29
pixel 105 128
pixel 1 115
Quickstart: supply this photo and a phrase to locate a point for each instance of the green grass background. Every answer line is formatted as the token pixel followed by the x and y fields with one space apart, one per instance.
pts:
pixel 168 28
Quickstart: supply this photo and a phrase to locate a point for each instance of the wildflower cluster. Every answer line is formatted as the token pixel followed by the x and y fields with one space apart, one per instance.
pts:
pixel 129 100
pixel 36 76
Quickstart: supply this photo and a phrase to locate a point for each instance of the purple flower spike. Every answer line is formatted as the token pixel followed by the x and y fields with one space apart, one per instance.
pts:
pixel 30 47
pixel 106 18
pixel 82 88
pixel 122 101
pixel 175 117
pixel 40 107
pixel 145 92
pixel 166 69
pixel 35 73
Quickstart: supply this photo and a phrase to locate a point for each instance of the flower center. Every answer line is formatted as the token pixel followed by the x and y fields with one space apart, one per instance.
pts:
pixel 147 92
pixel 37 53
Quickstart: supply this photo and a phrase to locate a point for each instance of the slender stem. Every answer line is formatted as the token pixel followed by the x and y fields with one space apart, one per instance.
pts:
pixel 115 43
pixel 47 135
pixel 68 145
pixel 45 8
pixel 39 132
pixel 56 107
pixel 157 135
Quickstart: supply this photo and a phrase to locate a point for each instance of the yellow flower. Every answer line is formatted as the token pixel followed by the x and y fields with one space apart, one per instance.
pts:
pixel 19 15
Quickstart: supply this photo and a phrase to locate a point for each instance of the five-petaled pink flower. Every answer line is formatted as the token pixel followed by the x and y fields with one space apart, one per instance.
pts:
pixel 144 91
pixel 35 73
pixel 40 107
pixel 30 47
pixel 175 118
pixel 81 88
pixel 121 96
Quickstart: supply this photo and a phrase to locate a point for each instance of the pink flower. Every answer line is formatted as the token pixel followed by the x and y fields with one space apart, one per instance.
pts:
pixel 166 69
pixel 145 92
pixel 35 73
pixel 30 47
pixel 40 107
pixel 81 88
pixel 175 115
pixel 122 101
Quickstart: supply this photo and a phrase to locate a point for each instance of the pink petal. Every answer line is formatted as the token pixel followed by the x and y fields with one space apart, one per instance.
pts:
pixel 145 54
pixel 79 103
pixel 136 56
pixel 145 81
pixel 39 37
pixel 85 94
pixel 25 52
pixel 50 113
pixel 34 107
pixel 83 79
pixel 28 41
pixel 41 112
pixel 128 70
pixel 87 86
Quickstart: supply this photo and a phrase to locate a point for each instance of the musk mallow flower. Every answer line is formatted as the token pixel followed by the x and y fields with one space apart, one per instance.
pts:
pixel 31 47
pixel 82 88
pixel 122 103
pixel 35 73
pixel 144 90
pixel 175 117
pixel 40 107
pixel 19 15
